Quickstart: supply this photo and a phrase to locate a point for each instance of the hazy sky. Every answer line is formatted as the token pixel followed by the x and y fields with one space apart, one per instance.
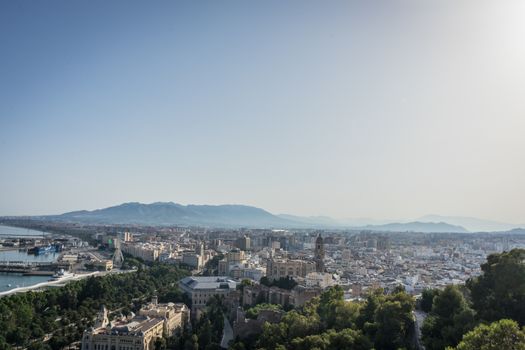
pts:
pixel 382 109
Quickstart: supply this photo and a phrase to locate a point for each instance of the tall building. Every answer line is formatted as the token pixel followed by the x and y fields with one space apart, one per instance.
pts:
pixel 128 236
pixel 319 254
pixel 118 257
pixel 199 248
pixel 243 243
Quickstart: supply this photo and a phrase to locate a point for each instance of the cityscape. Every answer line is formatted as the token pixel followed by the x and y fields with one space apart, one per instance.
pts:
pixel 262 175
pixel 285 268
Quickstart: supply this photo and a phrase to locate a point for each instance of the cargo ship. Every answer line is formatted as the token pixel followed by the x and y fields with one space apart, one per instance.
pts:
pixel 46 249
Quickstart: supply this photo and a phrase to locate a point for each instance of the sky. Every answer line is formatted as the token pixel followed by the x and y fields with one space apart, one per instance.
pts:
pixel 377 109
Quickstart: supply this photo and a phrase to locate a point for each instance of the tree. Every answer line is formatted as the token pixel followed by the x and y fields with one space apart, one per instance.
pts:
pixel 503 334
pixel 330 301
pixel 160 344
pixel 192 343
pixel 427 298
pixel 391 330
pixel 394 321
pixel 283 282
pixel 348 339
pixel 500 291
pixel 254 311
pixel 449 319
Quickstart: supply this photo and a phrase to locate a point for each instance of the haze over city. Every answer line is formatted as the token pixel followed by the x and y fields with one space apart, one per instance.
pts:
pixel 384 109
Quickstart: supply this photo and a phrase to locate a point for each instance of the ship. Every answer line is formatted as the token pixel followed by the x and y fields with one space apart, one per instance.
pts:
pixel 46 249
pixel 61 274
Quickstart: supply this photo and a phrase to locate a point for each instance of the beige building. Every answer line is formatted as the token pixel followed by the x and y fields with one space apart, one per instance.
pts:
pixel 319 279
pixel 233 258
pixel 201 288
pixel 143 251
pixel 296 297
pixel 192 259
pixel 70 258
pixel 175 315
pixel 136 333
pixel 104 265
pixel 281 268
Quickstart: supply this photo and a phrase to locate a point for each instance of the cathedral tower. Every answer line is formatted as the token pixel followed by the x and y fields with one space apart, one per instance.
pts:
pixel 319 254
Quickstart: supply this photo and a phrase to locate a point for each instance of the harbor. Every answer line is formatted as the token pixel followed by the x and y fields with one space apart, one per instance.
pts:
pixel 32 259
pixel 22 265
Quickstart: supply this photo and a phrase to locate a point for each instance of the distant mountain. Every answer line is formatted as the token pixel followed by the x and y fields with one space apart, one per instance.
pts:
pixel 426 227
pixel 325 221
pixel 471 224
pixel 169 213
pixel 331 222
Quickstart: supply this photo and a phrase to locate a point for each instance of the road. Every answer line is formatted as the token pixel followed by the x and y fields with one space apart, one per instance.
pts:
pixel 420 318
pixel 227 334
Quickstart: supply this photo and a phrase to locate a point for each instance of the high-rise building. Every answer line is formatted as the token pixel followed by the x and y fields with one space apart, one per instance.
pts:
pixel 319 254
pixel 243 243
pixel 199 248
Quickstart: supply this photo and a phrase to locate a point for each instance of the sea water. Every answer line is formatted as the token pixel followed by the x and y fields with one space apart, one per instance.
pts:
pixel 9 280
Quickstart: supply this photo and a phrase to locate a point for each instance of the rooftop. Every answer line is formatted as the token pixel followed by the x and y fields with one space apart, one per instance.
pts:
pixel 209 282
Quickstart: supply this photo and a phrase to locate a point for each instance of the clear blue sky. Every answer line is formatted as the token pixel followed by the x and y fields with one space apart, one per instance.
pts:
pixel 383 109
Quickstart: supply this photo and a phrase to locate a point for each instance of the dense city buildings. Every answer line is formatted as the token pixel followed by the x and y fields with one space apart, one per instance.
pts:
pixel 279 267
pixel 356 260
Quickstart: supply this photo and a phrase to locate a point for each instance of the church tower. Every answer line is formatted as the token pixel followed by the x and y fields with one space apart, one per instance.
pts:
pixel 319 254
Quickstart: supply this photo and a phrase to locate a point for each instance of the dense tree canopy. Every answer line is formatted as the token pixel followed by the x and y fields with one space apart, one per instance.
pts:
pixel 253 312
pixel 500 291
pixel 207 332
pixel 503 334
pixel 63 313
pixel 283 282
pixel 329 322
pixel 449 319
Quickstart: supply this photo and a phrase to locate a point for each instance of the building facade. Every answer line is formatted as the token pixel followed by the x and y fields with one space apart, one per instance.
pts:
pixel 201 288
pixel 281 268
pixel 137 332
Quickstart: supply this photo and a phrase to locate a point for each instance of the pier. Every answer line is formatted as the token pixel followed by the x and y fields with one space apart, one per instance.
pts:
pixel 33 268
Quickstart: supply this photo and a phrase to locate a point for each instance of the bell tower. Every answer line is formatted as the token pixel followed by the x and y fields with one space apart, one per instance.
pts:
pixel 319 254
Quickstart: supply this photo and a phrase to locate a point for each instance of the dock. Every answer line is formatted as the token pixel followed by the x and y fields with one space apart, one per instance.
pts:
pixel 33 268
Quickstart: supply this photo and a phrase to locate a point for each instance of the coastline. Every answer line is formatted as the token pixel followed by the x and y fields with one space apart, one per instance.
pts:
pixel 57 283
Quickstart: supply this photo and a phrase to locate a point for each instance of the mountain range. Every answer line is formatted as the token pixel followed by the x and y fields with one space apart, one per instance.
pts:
pixel 169 213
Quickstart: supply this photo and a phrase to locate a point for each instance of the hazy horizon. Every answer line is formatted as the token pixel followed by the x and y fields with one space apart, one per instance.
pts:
pixel 357 221
pixel 379 109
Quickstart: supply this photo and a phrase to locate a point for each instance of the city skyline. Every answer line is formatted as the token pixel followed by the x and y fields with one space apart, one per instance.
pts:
pixel 384 110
